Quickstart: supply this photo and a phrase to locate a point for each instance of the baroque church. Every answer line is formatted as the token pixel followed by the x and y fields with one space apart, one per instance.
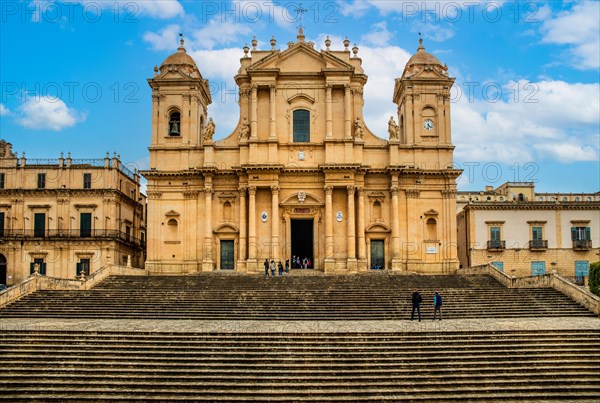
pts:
pixel 301 174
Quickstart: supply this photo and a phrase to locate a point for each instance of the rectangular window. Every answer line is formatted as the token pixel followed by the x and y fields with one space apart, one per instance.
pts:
pixel 87 181
pixel 301 126
pixel 498 265
pixel 41 181
pixel 85 225
pixel 495 234
pixel 41 266
pixel 1 225
pixel 538 268
pixel 581 234
pixel 127 233
pixel 39 225
pixel 83 267
pixel 2 180
pixel 536 234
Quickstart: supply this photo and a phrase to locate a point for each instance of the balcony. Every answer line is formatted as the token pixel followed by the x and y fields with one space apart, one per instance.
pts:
pixel 496 245
pixel 538 244
pixel 582 244
pixel 65 234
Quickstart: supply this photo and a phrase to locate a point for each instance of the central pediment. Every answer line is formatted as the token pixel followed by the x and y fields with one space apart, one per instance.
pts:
pixel 302 58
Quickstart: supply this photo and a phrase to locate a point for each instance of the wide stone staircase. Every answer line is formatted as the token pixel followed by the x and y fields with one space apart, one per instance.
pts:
pixel 308 297
pixel 229 337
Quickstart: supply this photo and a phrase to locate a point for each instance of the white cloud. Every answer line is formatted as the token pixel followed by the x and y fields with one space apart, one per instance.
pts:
pixel 217 33
pixel 355 9
pixel 165 39
pixel 378 36
pixel 534 121
pixel 4 111
pixel 579 28
pixel 48 113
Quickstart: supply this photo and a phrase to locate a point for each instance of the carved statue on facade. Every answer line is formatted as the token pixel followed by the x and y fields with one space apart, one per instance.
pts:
pixel 358 128
pixel 393 129
pixel 245 129
pixel 209 131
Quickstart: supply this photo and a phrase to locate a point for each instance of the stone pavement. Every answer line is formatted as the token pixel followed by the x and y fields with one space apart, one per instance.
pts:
pixel 291 327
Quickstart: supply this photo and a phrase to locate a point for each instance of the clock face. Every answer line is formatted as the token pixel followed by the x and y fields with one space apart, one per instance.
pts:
pixel 428 124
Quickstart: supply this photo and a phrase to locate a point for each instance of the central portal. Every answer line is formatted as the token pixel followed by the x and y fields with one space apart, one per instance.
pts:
pixel 302 241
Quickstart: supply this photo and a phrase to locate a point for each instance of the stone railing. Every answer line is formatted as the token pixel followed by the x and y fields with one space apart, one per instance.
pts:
pixel 37 282
pixel 579 294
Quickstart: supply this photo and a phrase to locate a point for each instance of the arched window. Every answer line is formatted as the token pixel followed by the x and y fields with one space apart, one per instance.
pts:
pixel 174 124
pixel 402 136
pixel 172 227
pixel 431 228
pixel 521 197
pixel 301 126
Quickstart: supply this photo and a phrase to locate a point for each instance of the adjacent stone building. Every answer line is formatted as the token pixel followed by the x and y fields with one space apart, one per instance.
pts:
pixel 301 174
pixel 525 233
pixel 64 216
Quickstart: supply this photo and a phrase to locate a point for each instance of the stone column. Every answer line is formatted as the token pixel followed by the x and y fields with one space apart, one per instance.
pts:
pixel 207 264
pixel 328 222
pixel 272 114
pixel 275 222
pixel 252 222
pixel 347 112
pixel 395 224
pixel 362 252
pixel 242 241
pixel 329 112
pixel 351 248
pixel 254 112
pixel 155 114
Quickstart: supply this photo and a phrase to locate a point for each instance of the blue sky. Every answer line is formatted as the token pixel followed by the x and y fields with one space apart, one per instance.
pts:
pixel 526 103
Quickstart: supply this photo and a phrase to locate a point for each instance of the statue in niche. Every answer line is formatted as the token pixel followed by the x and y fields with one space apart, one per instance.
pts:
pixel 209 131
pixel 393 129
pixel 245 129
pixel 358 128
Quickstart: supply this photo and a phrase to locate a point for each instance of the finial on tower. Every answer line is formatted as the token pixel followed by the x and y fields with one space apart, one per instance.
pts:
pixel 181 48
pixel 300 36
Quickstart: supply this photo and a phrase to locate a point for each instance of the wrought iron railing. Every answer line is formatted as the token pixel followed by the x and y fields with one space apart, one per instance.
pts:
pixel 127 171
pixel 582 244
pixel 538 244
pixel 496 245
pixel 58 234
pixel 94 162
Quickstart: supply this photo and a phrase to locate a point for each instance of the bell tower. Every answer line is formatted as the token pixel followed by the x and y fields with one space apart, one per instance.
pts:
pixel 423 98
pixel 180 98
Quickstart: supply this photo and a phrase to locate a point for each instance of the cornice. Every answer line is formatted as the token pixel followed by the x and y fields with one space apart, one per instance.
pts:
pixel 510 205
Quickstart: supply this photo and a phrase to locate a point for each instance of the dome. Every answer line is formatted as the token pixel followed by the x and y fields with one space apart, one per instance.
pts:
pixel 180 59
pixel 423 57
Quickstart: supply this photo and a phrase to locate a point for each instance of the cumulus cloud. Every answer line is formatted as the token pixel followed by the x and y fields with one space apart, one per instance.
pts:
pixel 534 121
pixel 4 111
pixel 48 113
pixel 580 29
pixel 165 39
pixel 378 36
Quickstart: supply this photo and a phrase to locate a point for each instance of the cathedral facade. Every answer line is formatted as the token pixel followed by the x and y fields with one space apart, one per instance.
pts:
pixel 301 175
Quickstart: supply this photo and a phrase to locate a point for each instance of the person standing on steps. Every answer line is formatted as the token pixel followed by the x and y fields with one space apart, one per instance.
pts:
pixel 273 266
pixel 437 305
pixel 266 267
pixel 287 266
pixel 416 304
pixel 280 267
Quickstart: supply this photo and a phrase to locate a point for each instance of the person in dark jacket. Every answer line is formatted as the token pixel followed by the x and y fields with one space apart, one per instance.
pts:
pixel 437 305
pixel 267 267
pixel 416 304
pixel 280 267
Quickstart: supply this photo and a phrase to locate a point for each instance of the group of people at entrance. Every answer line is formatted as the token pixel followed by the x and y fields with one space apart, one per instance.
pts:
pixel 276 266
pixel 416 305
pixel 298 263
